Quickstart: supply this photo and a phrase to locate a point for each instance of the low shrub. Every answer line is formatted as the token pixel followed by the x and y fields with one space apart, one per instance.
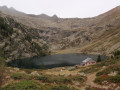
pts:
pixel 64 80
pixel 99 80
pixel 22 85
pixel 79 78
pixel 116 54
pixel 43 78
pixel 62 87
pixel 114 79
pixel 104 72
pixel 107 63
pixel 17 76
pixel 90 70
pixel 28 71
pixel 109 70
pixel 95 88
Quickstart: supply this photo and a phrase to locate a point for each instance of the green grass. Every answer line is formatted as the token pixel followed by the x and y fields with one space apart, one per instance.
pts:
pixel 91 88
pixel 18 76
pixel 62 87
pixel 90 69
pixel 52 79
pixel 110 69
pixel 28 71
pixel 79 78
pixel 107 62
pixel 48 78
pixel 112 79
pixel 114 66
pixel 61 79
pixel 99 80
pixel 22 85
pixel 31 85
pixel 98 66
pixel 43 78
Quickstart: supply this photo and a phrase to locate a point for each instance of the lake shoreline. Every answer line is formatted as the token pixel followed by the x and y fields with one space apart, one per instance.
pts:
pixel 51 61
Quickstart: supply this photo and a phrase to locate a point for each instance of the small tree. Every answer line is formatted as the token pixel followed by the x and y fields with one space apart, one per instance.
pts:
pixel 112 57
pixel 99 58
pixel 116 54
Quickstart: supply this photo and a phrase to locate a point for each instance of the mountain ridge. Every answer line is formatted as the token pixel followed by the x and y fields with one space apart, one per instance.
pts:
pixel 81 35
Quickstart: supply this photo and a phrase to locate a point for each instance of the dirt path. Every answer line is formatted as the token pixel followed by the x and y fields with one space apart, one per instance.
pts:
pixel 90 81
pixel 90 77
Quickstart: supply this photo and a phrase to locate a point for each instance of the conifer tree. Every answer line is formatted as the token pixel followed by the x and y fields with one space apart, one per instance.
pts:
pixel 99 58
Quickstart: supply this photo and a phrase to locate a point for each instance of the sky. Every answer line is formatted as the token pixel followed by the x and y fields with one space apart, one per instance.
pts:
pixel 63 8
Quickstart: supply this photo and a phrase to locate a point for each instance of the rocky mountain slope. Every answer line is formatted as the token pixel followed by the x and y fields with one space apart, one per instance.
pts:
pixel 98 34
pixel 19 41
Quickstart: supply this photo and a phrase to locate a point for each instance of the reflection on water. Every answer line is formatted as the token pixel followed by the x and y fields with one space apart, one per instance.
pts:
pixel 51 61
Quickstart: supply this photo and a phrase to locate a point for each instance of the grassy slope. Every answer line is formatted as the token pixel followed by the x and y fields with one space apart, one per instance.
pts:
pixel 108 42
pixel 70 79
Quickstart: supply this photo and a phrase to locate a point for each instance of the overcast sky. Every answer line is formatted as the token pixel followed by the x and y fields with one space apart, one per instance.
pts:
pixel 63 8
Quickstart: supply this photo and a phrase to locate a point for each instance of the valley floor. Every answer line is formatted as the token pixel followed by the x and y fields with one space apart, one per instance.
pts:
pixel 101 76
pixel 71 50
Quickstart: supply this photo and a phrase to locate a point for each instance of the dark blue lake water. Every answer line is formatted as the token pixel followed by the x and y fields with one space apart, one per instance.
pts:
pixel 52 61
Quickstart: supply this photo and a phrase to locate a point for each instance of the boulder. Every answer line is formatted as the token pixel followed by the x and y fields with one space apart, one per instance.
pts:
pixel 113 73
pixel 35 73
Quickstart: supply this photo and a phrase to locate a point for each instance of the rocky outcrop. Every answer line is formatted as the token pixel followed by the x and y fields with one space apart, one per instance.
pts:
pixel 19 41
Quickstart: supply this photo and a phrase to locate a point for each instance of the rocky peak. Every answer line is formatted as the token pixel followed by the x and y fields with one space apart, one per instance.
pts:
pixel 4 8
pixel 44 16
pixel 11 8
pixel 55 18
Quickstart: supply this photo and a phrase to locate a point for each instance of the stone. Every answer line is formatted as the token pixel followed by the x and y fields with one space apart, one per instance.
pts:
pixel 76 83
pixel 11 71
pixel 35 73
pixel 7 77
pixel 82 73
pixel 23 72
pixel 104 67
pixel 113 73
pixel 16 69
